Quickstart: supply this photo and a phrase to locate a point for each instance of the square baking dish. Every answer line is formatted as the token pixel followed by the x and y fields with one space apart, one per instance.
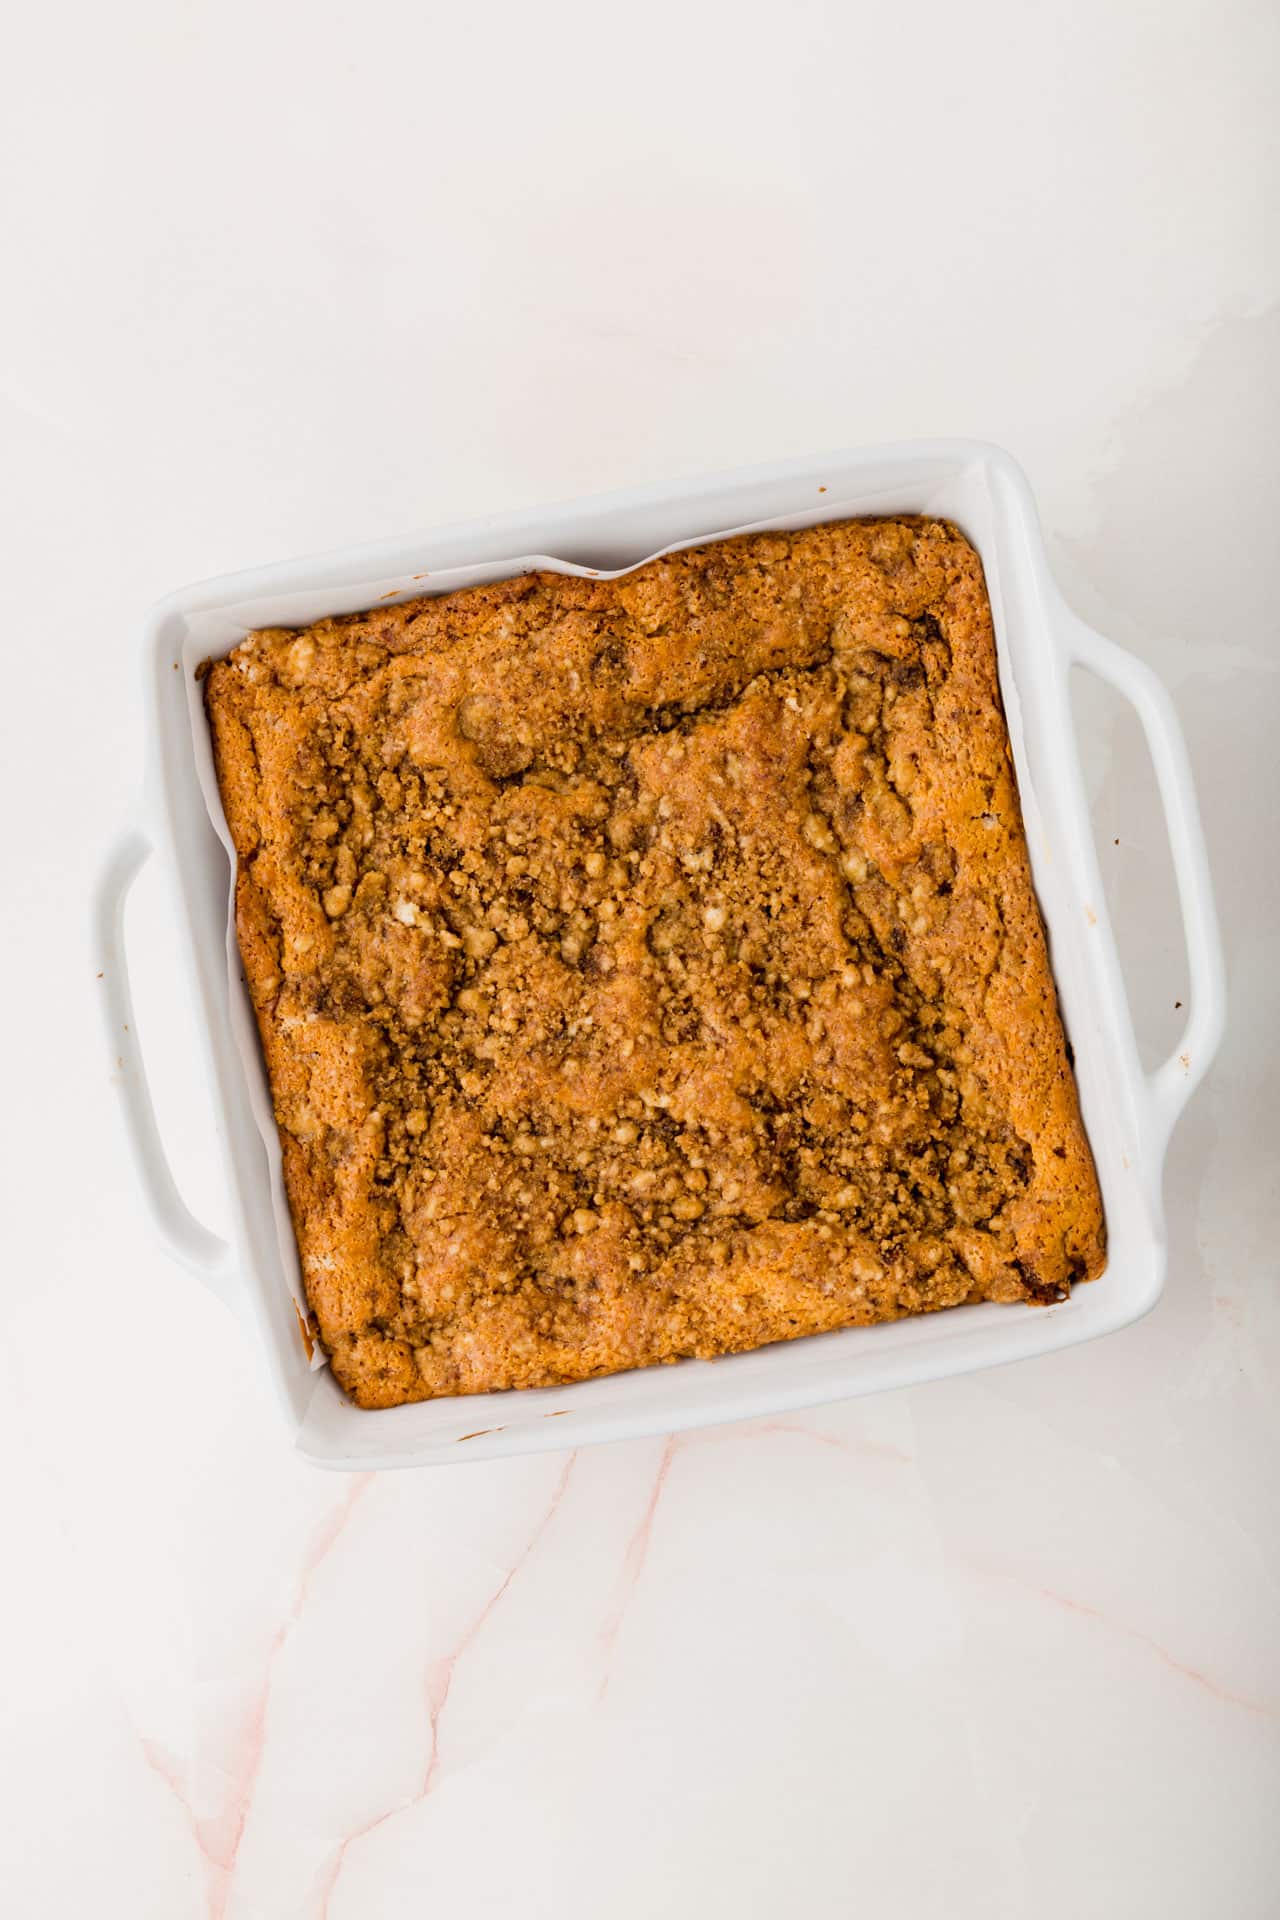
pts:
pixel 1128 1113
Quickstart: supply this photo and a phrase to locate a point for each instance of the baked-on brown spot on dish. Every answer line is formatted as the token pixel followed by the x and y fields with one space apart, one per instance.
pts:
pixel 651 967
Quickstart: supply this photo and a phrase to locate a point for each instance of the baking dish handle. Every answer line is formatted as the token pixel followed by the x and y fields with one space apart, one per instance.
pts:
pixel 207 1256
pixel 1172 1084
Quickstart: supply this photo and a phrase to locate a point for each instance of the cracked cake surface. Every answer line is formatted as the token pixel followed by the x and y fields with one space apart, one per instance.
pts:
pixel 649 968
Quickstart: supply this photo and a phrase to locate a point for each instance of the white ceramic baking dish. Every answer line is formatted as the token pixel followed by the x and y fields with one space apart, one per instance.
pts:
pixel 1129 1113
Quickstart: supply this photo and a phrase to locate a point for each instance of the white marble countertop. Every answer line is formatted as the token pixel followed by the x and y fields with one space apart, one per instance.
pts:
pixel 289 278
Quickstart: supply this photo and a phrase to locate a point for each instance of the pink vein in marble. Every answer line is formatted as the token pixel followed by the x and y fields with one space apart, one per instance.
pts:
pixel 633 1562
pixel 218 1836
pixel 1188 1672
pixel 1266 1709
pixel 882 1449
pixel 439 1681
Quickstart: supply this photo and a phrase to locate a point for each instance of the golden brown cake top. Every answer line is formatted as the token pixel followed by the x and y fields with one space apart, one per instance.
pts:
pixel 651 967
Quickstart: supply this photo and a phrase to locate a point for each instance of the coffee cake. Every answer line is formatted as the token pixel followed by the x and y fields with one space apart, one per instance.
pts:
pixel 651 967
